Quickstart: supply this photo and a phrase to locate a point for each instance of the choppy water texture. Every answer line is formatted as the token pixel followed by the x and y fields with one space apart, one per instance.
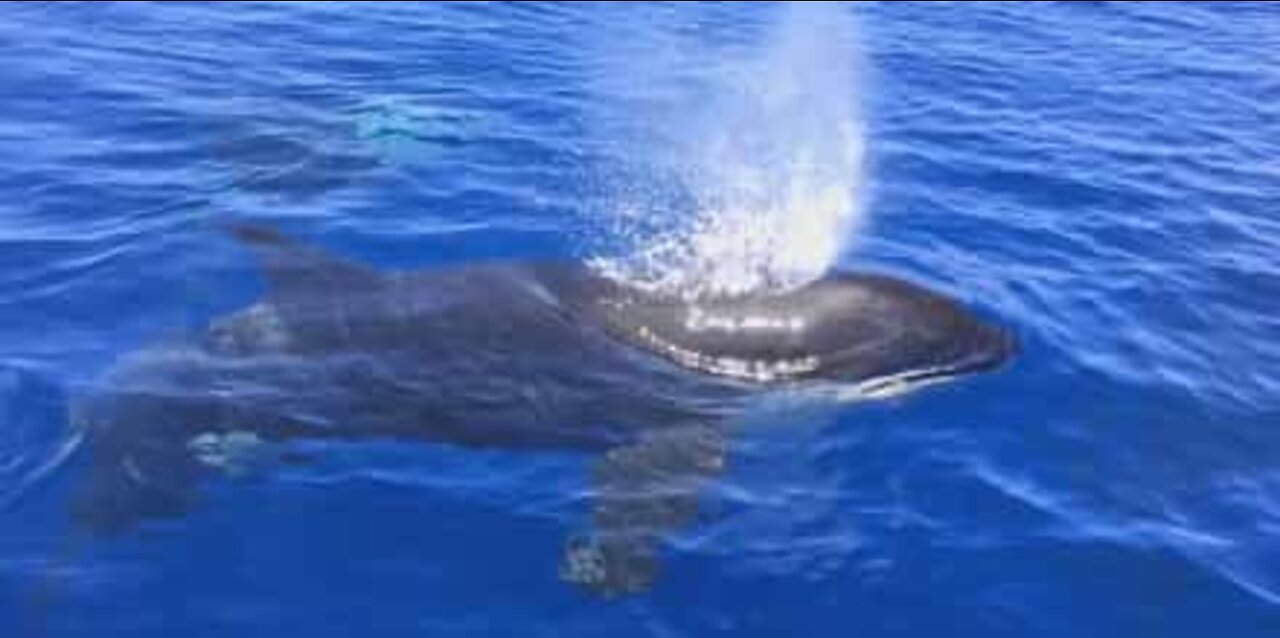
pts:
pixel 1103 176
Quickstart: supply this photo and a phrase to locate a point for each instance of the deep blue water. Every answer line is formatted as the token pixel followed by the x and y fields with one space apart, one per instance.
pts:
pixel 1103 177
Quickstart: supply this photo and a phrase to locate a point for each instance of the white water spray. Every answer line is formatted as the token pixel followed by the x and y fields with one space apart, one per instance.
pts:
pixel 754 159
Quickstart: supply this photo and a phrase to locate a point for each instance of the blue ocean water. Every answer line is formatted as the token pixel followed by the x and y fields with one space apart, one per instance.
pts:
pixel 1100 176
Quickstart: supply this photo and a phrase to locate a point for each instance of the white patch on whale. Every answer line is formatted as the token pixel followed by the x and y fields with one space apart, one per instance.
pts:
pixel 757 370
pixel 700 320
pixel 234 452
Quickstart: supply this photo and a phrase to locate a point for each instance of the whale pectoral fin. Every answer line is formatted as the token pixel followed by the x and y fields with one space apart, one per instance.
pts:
pixel 642 492
pixel 294 269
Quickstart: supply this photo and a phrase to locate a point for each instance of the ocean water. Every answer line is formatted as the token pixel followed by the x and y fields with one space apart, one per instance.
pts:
pixel 1101 177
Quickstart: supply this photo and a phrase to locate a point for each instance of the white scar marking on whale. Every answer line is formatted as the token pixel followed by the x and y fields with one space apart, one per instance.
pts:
pixel 757 370
pixel 699 320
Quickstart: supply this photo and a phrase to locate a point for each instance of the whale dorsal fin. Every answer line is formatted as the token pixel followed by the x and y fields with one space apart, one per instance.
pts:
pixel 294 269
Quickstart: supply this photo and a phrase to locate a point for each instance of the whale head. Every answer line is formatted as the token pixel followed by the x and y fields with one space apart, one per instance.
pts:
pixel 874 333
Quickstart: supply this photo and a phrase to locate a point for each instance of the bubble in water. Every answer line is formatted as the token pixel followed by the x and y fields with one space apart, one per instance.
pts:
pixel 749 158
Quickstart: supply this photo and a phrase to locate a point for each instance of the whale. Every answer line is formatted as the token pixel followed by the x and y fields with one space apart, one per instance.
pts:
pixel 508 355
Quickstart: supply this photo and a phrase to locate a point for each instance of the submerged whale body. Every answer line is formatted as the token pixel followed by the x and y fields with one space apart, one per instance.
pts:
pixel 505 355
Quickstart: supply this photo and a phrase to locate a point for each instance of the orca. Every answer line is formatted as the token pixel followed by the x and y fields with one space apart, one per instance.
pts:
pixel 506 355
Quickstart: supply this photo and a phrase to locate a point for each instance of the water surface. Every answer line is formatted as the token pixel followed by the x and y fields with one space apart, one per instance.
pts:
pixel 1102 177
